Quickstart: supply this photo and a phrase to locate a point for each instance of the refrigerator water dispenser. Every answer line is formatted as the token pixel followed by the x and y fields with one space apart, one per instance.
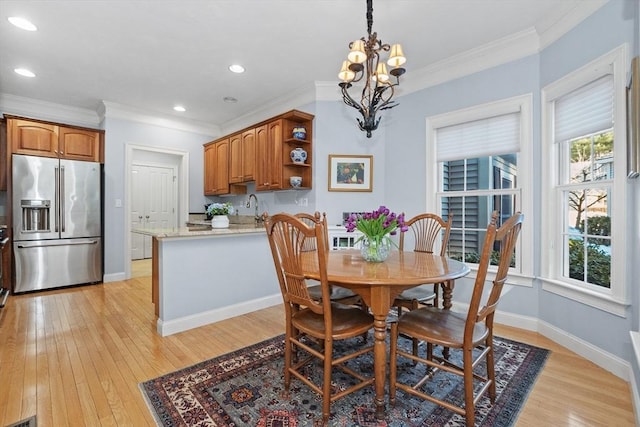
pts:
pixel 35 215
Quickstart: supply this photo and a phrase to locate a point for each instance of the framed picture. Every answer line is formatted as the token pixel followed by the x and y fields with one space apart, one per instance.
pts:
pixel 350 173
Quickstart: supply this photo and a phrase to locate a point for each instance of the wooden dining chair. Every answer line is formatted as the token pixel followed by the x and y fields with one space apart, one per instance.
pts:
pixel 312 326
pixel 338 293
pixel 471 332
pixel 426 229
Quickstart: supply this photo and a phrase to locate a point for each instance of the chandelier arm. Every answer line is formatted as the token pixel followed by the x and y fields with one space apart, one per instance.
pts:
pixel 350 101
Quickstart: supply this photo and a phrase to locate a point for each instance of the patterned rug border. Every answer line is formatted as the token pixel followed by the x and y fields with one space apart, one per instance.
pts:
pixel 502 418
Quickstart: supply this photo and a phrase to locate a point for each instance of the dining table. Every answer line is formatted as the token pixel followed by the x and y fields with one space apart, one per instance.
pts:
pixel 379 283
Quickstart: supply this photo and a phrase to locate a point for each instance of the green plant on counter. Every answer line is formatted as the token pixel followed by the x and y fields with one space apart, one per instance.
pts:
pixel 220 209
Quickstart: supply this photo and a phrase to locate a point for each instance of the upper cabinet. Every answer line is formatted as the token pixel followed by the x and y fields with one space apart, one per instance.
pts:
pixel 297 131
pixel 216 168
pixel 242 156
pixel 262 154
pixel 52 140
pixel 269 156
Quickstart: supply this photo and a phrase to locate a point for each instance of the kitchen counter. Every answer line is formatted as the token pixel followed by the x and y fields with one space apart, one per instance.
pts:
pixel 200 229
pixel 202 275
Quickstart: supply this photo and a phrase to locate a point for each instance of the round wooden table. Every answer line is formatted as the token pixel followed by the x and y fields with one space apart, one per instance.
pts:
pixel 379 284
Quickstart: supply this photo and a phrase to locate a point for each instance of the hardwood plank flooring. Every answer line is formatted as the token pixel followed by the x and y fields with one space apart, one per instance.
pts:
pixel 75 357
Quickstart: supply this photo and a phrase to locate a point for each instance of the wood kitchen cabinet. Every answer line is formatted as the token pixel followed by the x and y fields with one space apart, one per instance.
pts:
pixel 269 156
pixel 262 153
pixel 242 156
pixel 274 143
pixel 216 168
pixel 291 120
pixel 46 139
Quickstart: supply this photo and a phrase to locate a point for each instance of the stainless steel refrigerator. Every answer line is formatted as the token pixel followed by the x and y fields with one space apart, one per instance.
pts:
pixel 57 222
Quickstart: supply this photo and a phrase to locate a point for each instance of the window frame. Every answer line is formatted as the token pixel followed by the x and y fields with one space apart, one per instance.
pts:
pixel 523 104
pixel 614 299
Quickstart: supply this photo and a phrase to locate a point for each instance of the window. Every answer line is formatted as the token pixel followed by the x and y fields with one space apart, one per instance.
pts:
pixel 584 208
pixel 479 158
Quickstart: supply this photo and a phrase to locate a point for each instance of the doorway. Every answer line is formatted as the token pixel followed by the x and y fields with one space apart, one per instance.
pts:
pixel 161 158
pixel 153 203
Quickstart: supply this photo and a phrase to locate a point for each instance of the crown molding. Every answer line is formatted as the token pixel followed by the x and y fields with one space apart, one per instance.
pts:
pixel 550 31
pixel 50 111
pixel 502 51
pixel 119 111
pixel 303 95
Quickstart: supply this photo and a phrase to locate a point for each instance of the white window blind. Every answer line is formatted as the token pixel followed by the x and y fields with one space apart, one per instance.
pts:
pixel 479 138
pixel 584 111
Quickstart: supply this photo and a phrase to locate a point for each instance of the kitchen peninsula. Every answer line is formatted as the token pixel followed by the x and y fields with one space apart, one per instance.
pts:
pixel 202 275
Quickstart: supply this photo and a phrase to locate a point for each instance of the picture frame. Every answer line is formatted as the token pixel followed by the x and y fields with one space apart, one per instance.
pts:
pixel 350 172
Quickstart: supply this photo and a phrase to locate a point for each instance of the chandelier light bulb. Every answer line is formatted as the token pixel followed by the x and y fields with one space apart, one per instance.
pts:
pixel 396 57
pixel 357 54
pixel 345 74
pixel 381 73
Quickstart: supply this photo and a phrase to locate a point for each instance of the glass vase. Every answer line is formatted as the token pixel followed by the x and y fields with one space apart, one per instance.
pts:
pixel 375 250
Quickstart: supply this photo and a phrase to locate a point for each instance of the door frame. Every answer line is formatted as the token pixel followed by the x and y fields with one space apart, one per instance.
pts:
pixel 133 150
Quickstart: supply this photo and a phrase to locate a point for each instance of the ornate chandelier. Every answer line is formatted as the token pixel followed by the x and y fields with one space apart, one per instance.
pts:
pixel 363 64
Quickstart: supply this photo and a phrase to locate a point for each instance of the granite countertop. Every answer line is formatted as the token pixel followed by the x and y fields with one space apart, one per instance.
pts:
pixel 197 226
pixel 200 231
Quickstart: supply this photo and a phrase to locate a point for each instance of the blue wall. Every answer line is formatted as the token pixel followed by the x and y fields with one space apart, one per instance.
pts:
pixel 399 151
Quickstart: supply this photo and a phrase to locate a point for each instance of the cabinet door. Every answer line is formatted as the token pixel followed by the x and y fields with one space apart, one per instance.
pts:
pixel 248 155
pixel 33 138
pixel 221 172
pixel 235 158
pixel 209 169
pixel 268 173
pixel 79 144
pixel 262 158
pixel 275 154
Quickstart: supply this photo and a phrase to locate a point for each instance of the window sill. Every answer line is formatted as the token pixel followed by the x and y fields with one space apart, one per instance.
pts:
pixel 594 299
pixel 517 279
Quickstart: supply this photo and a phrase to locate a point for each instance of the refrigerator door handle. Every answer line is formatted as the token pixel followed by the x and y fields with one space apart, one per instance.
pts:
pixel 63 195
pixel 45 245
pixel 57 199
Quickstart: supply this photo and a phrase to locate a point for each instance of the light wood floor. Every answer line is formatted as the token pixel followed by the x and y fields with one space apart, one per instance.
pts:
pixel 75 357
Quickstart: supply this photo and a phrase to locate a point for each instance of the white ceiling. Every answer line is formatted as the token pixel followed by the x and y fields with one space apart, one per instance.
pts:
pixel 153 54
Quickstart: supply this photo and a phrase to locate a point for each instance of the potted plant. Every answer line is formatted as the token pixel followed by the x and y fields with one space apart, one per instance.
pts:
pixel 218 213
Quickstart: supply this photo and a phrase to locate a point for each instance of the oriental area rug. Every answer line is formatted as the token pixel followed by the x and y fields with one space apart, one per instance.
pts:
pixel 246 388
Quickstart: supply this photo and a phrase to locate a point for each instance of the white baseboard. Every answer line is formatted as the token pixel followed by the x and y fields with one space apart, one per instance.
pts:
pixel 612 363
pixel 170 327
pixel 635 393
pixel 114 277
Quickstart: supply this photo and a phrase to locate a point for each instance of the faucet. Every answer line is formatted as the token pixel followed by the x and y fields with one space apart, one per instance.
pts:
pixel 256 215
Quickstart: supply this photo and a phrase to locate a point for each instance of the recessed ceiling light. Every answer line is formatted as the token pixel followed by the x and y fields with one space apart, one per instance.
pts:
pixel 24 72
pixel 22 23
pixel 230 99
pixel 180 108
pixel 236 68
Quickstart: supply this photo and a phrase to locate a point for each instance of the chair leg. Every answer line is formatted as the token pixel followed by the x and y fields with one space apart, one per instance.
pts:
pixel 365 308
pixel 469 407
pixel 393 362
pixel 491 370
pixel 326 382
pixel 288 347
pixel 414 306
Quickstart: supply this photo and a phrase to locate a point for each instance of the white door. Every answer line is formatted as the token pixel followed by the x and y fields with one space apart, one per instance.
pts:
pixel 153 204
